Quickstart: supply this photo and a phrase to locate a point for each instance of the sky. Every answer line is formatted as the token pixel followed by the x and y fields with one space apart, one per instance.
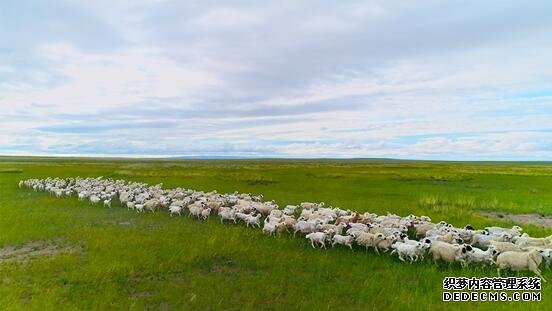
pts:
pixel 447 80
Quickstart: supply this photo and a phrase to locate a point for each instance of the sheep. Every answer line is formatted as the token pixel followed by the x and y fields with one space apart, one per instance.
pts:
pixel 353 218
pixel 58 193
pixel 241 216
pixel 519 261
pixel 343 240
pixel 447 252
pixel 130 205
pixel 195 210
pixel 310 205
pixel 525 241
pixel 357 226
pixel 367 239
pixel 318 237
pixel 319 223
pixel 289 221
pixel 273 227
pixel 273 219
pixel 269 227
pixel 412 251
pixel 476 255
pixel 450 238
pixel 514 231
pixel 205 213
pixel 152 205
pixel 290 210
pixel 265 208
pixel 502 247
pixel 422 229
pixel 385 243
pixel 304 226
pixel 547 256
pixel 94 199
pixel 82 195
pixel 276 213
pixel 336 229
pixel 484 240
pixel 306 214
pixel 253 220
pixel 227 214
pixel 175 209
pixel 426 243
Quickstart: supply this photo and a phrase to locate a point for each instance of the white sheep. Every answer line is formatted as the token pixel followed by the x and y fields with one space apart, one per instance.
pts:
pixel 304 226
pixel 290 209
pixel 205 213
pixel 317 237
pixel 547 256
pixel 273 227
pixel 276 213
pixel 520 261
pixel 195 210
pixel 367 239
pixel 410 250
pixel 447 252
pixel 253 220
pixel 477 255
pixel 130 205
pixel 343 240
pixel 175 209
pixel 385 243
pixel 227 214
pixel 484 240
pixel 514 231
pixel 526 241
pixel 502 247
pixel 94 199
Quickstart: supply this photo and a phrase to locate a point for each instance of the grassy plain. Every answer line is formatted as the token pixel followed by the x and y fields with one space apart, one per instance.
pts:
pixel 153 261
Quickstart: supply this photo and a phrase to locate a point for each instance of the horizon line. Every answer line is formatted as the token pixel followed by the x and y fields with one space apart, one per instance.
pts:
pixel 234 157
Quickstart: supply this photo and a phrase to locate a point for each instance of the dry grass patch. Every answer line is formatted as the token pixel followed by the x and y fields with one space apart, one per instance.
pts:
pixel 34 250
pixel 531 219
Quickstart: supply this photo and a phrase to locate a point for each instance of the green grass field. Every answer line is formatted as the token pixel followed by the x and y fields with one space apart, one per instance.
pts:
pixel 152 261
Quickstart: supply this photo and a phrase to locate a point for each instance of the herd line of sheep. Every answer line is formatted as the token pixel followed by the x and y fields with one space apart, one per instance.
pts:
pixel 507 248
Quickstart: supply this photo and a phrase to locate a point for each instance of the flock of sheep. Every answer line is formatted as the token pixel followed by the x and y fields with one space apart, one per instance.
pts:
pixel 507 248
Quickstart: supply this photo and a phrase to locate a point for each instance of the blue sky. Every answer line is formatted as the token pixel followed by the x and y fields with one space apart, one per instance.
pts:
pixel 462 80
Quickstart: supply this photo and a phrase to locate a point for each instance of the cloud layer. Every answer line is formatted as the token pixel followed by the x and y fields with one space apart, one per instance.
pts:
pixel 457 80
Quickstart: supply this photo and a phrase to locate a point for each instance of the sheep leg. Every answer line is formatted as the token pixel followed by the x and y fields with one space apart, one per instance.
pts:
pixel 538 272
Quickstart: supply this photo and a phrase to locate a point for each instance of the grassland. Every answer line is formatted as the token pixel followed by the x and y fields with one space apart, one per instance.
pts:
pixel 152 261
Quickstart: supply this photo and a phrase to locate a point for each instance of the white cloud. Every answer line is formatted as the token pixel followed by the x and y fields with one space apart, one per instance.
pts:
pixel 288 79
